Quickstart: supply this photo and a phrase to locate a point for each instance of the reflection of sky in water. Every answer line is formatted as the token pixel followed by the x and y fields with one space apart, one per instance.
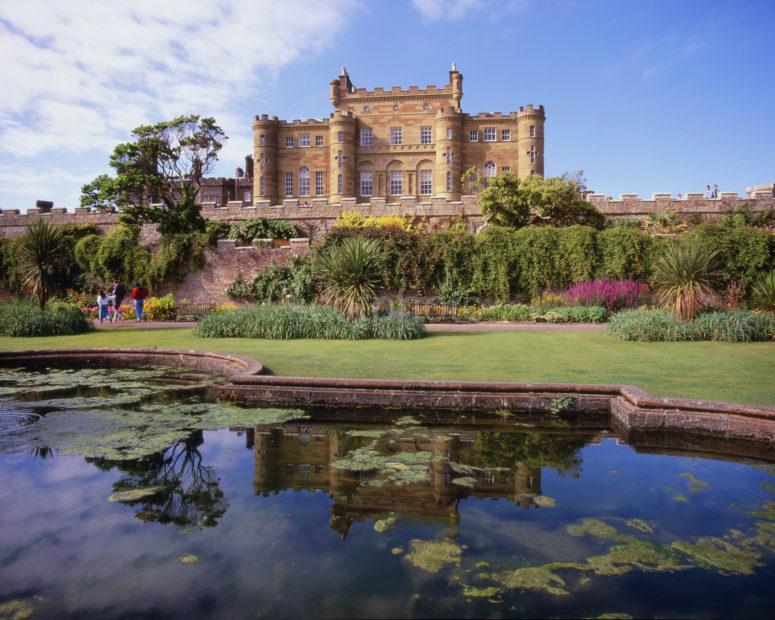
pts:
pixel 277 554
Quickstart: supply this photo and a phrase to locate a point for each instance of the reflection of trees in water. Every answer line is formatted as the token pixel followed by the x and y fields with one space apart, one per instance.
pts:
pixel 190 494
pixel 41 452
pixel 534 449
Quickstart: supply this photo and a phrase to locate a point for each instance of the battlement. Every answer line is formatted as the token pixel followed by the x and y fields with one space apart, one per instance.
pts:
pixel 300 123
pixel 690 203
pixel 414 90
pixel 342 115
pixel 483 116
pixel 529 110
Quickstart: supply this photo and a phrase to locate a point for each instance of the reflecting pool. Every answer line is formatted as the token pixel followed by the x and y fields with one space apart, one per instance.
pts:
pixel 134 493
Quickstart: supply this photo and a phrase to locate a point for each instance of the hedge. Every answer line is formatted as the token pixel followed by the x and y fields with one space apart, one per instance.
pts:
pixel 22 319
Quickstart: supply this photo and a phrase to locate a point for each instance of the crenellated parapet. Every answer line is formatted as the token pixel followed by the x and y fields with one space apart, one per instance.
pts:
pixel 689 204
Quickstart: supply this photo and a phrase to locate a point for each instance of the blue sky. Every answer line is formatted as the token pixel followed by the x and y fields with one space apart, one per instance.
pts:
pixel 660 96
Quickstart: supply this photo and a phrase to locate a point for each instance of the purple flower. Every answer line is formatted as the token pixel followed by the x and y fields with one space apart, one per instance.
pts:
pixel 611 294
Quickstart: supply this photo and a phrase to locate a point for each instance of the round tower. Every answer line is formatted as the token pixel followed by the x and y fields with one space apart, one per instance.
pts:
pixel 341 156
pixel 449 154
pixel 456 81
pixel 530 142
pixel 265 129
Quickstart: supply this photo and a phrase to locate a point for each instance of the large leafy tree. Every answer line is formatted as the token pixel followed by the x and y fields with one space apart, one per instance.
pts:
pixel 158 174
pixel 557 201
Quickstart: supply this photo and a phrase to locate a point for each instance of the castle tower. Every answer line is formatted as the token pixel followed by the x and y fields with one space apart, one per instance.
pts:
pixel 530 141
pixel 449 154
pixel 265 129
pixel 341 156
pixel 340 87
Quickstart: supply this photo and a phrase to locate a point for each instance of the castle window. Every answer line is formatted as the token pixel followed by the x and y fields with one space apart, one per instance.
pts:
pixel 319 183
pixel 473 136
pixel 396 182
pixel 426 106
pixel 304 181
pixel 366 108
pixel 339 184
pixel 247 196
pixel 367 185
pixel 532 131
pixel 449 133
pixel 320 469
pixel 339 159
pixel 506 135
pixel 490 134
pixel 532 153
pixel 340 136
pixel 490 170
pixel 262 186
pixel 449 155
pixel 262 140
pixel 449 181
pixel 426 136
pixel 395 107
pixel 366 136
pixel 426 182
pixel 289 468
pixel 304 139
pixel 506 169
pixel 318 140
pixel 289 184
pixel 289 142
pixel 396 135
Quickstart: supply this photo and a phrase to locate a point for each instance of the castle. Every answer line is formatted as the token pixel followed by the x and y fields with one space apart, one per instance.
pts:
pixel 414 142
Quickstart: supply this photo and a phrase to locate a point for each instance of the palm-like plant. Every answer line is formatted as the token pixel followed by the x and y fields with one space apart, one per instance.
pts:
pixel 41 252
pixel 350 274
pixel 764 292
pixel 685 277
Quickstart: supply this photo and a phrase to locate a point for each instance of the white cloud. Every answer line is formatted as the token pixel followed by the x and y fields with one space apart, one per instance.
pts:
pixel 78 75
pixel 455 10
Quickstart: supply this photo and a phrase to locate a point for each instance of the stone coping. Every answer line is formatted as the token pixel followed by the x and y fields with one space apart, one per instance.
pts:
pixel 630 409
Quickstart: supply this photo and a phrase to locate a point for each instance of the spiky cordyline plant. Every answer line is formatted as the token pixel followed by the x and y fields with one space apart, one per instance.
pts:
pixel 350 273
pixel 41 251
pixel 764 292
pixel 685 277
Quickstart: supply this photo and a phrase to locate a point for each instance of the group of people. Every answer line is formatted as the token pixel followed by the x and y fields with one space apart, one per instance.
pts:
pixel 109 305
pixel 711 193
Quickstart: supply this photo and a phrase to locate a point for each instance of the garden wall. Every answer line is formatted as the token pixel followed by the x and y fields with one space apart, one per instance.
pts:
pixel 315 216
pixel 223 263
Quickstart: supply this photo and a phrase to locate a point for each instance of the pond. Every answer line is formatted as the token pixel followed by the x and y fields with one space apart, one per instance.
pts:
pixel 134 493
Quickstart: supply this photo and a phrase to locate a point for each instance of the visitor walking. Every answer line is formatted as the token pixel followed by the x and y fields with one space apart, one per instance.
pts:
pixel 138 296
pixel 119 293
pixel 103 305
pixel 708 192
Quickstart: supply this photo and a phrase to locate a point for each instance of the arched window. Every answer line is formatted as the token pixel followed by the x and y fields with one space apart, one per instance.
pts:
pixel 304 181
pixel 489 171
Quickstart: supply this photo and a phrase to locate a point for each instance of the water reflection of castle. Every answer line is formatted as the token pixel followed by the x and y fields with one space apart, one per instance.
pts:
pixel 299 456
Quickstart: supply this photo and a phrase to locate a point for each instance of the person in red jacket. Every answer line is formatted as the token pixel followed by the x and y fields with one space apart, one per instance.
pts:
pixel 138 296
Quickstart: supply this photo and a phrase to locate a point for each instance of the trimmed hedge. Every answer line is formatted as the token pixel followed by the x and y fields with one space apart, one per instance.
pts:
pixel 661 325
pixel 22 319
pixel 289 322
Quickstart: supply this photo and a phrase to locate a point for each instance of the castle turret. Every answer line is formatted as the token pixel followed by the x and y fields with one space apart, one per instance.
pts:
pixel 341 156
pixel 456 80
pixel 340 87
pixel 449 154
pixel 530 143
pixel 265 130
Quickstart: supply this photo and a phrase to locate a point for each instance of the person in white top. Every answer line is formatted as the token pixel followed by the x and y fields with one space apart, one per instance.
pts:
pixel 103 304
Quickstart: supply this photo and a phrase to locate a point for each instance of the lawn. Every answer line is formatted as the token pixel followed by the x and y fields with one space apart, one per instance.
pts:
pixel 743 372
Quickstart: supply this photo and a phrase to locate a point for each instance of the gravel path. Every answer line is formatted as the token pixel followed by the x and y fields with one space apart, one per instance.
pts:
pixel 431 327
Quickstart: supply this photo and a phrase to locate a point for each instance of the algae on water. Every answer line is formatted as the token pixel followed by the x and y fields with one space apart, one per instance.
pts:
pixel 383 525
pixel 719 554
pixel 533 578
pixel 695 484
pixel 434 555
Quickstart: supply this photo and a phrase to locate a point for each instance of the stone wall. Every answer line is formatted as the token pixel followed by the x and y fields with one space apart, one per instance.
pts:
pixel 315 216
pixel 225 262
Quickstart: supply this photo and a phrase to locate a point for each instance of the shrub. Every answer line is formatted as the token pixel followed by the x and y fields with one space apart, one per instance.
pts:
pixel 764 292
pixel 350 275
pixel 349 219
pixel 685 276
pixel 23 319
pixel 662 325
pixel 611 294
pixel 285 322
pixel 215 230
pixel 160 308
pixel 557 314
pixel 506 312
pixel 291 283
pixel 625 252
pixel 575 314
pixel 261 228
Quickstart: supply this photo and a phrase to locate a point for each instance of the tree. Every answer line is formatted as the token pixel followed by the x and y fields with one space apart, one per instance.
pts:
pixel 164 163
pixel 472 181
pixel 42 249
pixel 556 201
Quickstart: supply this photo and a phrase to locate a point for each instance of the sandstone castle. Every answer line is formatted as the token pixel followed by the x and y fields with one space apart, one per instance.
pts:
pixel 391 143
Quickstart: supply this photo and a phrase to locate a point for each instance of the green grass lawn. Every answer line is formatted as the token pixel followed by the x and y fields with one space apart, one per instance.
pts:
pixel 742 372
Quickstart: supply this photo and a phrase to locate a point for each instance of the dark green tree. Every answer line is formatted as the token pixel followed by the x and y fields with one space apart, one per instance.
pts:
pixel 158 174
